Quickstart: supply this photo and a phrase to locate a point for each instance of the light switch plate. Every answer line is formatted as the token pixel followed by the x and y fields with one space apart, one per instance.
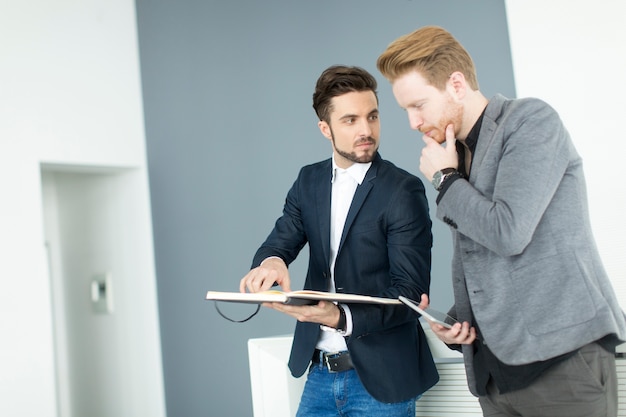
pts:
pixel 102 293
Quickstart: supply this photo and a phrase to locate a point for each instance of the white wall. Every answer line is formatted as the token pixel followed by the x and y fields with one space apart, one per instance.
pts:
pixel 572 54
pixel 70 94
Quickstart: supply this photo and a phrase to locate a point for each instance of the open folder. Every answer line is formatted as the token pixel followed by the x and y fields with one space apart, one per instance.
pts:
pixel 302 297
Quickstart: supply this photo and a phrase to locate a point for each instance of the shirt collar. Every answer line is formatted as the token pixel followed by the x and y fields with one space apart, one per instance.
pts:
pixel 357 171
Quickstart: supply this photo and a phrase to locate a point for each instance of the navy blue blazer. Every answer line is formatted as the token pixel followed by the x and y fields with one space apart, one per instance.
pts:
pixel 385 251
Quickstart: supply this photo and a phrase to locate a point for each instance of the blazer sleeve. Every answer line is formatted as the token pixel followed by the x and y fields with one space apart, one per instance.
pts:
pixel 512 185
pixel 288 236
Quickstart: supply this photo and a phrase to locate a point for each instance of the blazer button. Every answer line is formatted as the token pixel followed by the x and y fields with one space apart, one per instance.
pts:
pixel 449 222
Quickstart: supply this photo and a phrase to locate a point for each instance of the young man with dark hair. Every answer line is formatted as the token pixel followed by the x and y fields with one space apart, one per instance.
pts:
pixel 369 232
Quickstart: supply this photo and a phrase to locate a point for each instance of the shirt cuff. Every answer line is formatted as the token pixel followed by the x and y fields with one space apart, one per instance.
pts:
pixel 270 257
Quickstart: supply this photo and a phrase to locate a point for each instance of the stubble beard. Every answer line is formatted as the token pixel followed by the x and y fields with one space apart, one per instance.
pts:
pixel 453 114
pixel 352 156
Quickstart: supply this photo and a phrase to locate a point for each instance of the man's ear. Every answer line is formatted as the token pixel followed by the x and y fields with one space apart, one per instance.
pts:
pixel 325 129
pixel 457 84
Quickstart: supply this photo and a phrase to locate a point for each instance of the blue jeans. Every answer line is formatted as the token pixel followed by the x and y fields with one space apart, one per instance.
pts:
pixel 341 394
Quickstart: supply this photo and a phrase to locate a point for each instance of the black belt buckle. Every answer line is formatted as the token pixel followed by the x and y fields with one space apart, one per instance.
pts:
pixel 337 362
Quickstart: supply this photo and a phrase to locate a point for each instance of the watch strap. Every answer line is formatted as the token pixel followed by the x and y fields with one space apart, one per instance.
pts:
pixel 342 325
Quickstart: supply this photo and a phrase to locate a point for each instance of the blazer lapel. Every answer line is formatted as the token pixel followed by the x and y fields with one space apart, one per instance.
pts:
pixel 486 135
pixel 323 194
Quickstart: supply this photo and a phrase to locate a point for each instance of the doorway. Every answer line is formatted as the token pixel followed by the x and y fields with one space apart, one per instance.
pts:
pixel 103 288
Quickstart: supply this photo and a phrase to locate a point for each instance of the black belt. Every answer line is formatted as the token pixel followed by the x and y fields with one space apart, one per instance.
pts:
pixel 335 362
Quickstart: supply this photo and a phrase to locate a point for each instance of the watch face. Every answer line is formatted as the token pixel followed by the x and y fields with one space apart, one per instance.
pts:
pixel 436 179
pixel 440 176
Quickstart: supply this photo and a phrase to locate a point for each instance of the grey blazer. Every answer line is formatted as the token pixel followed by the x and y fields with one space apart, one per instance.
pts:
pixel 525 266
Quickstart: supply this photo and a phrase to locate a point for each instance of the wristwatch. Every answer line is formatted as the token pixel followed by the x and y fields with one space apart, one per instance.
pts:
pixel 342 326
pixel 440 176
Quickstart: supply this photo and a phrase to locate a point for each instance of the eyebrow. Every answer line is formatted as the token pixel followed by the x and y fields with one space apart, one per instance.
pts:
pixel 352 116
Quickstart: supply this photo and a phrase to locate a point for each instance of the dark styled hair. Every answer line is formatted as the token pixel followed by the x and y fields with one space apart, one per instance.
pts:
pixel 336 81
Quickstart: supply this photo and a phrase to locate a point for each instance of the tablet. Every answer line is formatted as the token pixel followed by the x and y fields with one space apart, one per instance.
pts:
pixel 430 314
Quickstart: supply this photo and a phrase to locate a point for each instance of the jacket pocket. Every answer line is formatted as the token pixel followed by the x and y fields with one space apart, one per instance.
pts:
pixel 555 294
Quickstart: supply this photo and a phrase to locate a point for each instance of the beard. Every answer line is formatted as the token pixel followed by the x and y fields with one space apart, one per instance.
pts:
pixel 352 156
pixel 453 114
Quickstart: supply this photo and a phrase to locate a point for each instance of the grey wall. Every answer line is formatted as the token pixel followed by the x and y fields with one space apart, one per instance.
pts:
pixel 227 95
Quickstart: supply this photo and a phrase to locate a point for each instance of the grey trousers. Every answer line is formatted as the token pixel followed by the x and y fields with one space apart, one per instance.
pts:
pixel 584 385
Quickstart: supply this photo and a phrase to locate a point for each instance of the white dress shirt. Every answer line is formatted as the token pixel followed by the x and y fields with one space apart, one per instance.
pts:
pixel 345 182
